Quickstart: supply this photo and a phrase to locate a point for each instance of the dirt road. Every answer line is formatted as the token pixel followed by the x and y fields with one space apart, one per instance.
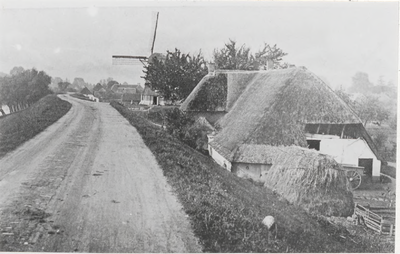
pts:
pixel 88 183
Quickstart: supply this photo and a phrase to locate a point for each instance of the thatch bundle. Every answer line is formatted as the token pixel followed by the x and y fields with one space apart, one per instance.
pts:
pixel 311 180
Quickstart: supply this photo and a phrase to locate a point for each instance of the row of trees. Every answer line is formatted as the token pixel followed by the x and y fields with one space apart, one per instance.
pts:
pixel 22 88
pixel 362 84
pixel 368 108
pixel 232 57
pixel 176 74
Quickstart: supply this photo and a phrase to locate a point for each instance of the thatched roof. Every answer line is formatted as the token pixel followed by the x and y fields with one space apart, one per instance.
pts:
pixel 272 108
pixel 209 95
pixel 256 154
pixel 85 90
pixel 309 179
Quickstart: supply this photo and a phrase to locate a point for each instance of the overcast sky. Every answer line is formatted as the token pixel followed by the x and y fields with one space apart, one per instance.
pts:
pixel 334 40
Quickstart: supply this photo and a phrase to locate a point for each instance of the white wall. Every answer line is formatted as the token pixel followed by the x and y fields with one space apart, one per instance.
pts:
pixel 148 100
pixel 348 151
pixel 220 159
pixel 6 109
pixel 93 98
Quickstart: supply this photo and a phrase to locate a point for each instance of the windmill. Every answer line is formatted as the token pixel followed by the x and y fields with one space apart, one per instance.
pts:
pixel 132 60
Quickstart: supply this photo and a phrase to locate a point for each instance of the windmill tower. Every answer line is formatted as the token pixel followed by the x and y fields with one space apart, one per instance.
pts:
pixel 133 60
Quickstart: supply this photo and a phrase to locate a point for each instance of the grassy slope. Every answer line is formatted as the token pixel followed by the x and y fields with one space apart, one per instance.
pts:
pixel 226 211
pixel 17 128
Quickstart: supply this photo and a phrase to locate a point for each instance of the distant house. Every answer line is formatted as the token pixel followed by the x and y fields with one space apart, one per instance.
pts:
pixel 151 97
pixel 87 93
pixel 93 98
pixel 254 110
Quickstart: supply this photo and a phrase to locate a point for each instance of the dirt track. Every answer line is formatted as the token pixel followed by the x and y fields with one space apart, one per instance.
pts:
pixel 88 183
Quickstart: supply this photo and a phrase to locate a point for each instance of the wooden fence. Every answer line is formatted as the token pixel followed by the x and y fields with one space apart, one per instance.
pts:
pixel 374 221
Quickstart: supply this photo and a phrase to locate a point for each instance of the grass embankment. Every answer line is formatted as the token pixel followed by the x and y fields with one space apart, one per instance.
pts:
pixel 19 127
pixel 156 114
pixel 226 211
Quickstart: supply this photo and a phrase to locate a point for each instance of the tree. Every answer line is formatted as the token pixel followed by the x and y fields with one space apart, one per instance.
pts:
pixel 63 85
pixel 233 58
pixel 361 83
pixel 110 84
pixel 393 121
pixel 369 109
pixel 23 87
pixel 176 75
pixel 380 138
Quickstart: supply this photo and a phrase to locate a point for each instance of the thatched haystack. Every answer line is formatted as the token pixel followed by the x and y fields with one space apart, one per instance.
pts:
pixel 311 180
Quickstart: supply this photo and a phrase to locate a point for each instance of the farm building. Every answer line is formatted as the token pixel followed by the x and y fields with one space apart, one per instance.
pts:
pixel 279 108
pixel 151 97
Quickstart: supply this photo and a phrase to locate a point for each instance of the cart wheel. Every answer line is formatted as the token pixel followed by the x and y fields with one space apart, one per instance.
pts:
pixel 354 178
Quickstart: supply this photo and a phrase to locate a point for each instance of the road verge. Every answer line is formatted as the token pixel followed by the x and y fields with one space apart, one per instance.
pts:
pixel 17 128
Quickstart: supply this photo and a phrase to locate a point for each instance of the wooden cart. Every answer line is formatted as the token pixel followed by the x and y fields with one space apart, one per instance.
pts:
pixel 354 175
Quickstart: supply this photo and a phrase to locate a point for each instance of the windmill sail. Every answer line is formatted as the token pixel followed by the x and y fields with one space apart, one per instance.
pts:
pixel 154 38
pixel 132 60
pixel 128 60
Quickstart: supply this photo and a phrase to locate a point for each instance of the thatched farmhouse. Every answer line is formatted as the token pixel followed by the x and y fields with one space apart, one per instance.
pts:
pixel 256 109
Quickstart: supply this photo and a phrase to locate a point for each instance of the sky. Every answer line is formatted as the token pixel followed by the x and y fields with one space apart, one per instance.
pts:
pixel 71 39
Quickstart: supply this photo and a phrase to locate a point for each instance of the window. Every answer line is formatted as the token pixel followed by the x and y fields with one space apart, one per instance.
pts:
pixel 314 144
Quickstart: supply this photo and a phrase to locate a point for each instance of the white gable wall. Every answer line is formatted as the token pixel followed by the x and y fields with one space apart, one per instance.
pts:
pixel 219 158
pixel 348 151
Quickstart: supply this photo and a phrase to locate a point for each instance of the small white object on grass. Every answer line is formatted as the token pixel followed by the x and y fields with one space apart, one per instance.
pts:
pixel 268 221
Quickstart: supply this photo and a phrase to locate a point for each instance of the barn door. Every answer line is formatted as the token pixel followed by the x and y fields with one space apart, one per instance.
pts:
pixel 367 164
